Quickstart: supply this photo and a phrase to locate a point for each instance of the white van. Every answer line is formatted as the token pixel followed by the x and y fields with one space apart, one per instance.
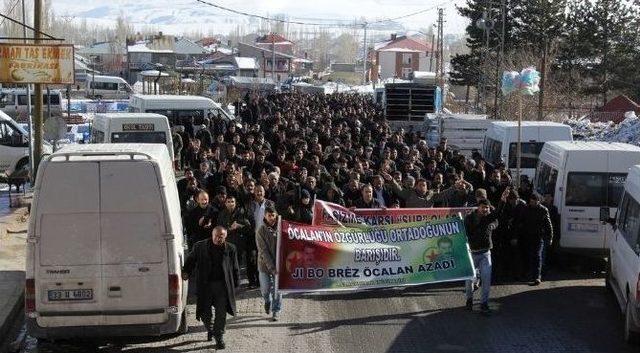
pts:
pixel 586 180
pixel 14 103
pixel 132 128
pixel 501 140
pixel 105 247
pixel 623 270
pixel 107 87
pixel 14 146
pixel 178 108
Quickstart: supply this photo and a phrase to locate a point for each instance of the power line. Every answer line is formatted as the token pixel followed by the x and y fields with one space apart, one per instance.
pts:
pixel 411 14
pixel 355 24
pixel 10 11
pixel 269 18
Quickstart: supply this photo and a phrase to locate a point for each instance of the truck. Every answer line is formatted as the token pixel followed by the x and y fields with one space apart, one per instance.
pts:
pixel 407 103
pixel 464 132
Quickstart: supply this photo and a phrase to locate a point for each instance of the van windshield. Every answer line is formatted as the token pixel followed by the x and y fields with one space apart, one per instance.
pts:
pixel 180 116
pixel 590 189
pixel 530 153
pixel 139 137
pixel 54 98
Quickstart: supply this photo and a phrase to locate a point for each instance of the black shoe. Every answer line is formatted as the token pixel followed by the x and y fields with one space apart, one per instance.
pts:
pixel 535 282
pixel 469 304
pixel 220 343
pixel 484 309
pixel 209 336
pixel 267 308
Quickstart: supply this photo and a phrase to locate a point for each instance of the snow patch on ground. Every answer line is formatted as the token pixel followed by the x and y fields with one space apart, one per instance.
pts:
pixel 627 131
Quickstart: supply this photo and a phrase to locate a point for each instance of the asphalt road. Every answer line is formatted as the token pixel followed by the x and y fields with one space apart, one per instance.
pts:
pixel 571 313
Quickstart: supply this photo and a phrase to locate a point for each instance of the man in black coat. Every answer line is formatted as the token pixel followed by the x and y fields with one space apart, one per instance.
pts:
pixel 215 263
pixel 537 230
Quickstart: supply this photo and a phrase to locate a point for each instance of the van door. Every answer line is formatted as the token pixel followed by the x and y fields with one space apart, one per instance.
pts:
pixel 68 260
pixel 133 248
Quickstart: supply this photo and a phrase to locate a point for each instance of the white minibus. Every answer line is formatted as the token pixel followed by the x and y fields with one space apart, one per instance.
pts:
pixel 585 179
pixel 178 109
pixel 501 140
pixel 105 245
pixel 132 128
pixel 623 268
pixel 14 102
pixel 107 87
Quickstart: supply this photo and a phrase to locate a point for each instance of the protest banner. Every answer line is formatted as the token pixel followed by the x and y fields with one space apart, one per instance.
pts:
pixel 331 214
pixel 328 258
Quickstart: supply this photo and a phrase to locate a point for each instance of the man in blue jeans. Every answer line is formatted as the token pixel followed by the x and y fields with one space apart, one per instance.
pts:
pixel 266 241
pixel 480 226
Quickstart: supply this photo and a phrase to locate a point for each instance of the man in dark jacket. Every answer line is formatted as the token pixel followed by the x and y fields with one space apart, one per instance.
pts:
pixel 537 230
pixel 480 226
pixel 200 220
pixel 216 266
pixel 366 200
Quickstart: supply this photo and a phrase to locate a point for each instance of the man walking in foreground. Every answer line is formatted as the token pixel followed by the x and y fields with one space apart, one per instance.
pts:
pixel 216 264
pixel 266 241
pixel 480 226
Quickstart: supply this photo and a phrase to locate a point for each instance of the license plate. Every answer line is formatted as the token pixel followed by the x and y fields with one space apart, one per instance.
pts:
pixel 70 294
pixel 584 227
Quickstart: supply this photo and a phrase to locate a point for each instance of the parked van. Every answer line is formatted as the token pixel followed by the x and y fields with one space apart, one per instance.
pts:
pixel 14 146
pixel 177 108
pixel 107 87
pixel 501 140
pixel 586 179
pixel 132 128
pixel 105 246
pixel 14 103
pixel 623 270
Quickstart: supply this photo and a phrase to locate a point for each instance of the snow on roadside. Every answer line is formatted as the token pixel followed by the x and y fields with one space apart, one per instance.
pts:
pixel 627 131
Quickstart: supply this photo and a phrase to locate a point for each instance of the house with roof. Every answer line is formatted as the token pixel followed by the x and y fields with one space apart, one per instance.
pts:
pixel 107 57
pixel 399 57
pixel 615 110
pixel 275 41
pixel 280 69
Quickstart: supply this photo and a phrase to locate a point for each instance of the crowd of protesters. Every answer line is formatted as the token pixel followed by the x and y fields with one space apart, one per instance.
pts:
pixel 292 148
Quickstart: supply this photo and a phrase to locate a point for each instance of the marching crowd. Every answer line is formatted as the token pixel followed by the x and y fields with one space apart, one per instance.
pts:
pixel 292 148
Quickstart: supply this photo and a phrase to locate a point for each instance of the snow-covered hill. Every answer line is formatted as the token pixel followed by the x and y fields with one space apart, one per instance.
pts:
pixel 179 16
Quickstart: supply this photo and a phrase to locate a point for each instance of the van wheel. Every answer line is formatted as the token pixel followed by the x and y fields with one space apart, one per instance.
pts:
pixel 630 336
pixel 184 327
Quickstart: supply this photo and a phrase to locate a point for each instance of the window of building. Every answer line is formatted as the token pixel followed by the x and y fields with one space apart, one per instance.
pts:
pixel 406 59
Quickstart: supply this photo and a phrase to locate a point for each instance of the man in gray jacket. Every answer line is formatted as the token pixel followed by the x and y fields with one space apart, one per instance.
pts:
pixel 266 241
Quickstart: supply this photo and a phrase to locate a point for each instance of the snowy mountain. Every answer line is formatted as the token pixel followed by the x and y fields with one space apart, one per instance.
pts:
pixel 179 16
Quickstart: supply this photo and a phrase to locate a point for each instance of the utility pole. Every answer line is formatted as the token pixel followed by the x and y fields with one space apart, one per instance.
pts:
pixel 38 124
pixel 497 108
pixel 440 56
pixel 433 49
pixel 364 60
pixel 273 57
pixel 28 91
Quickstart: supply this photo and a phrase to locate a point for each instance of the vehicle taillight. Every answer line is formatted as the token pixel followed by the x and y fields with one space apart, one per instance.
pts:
pixel 174 290
pixel 30 295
